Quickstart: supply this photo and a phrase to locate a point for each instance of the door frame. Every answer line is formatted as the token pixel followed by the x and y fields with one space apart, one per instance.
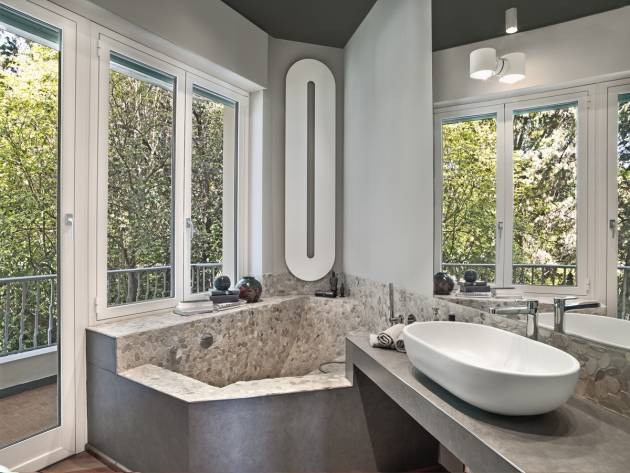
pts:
pixel 55 444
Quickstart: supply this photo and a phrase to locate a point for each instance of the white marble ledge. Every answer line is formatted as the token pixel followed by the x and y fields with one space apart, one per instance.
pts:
pixel 190 390
pixel 146 323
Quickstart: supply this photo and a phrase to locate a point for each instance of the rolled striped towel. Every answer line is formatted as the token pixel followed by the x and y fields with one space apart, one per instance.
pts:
pixel 387 338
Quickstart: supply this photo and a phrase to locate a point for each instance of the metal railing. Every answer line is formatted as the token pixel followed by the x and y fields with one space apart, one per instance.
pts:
pixel 28 304
pixel 522 274
pixel 29 313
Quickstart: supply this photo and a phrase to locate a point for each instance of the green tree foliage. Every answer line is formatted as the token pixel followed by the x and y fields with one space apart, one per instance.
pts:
pixel 623 210
pixel 207 180
pixel 29 88
pixel 469 193
pixel 139 183
pixel 29 85
pixel 545 170
pixel 544 193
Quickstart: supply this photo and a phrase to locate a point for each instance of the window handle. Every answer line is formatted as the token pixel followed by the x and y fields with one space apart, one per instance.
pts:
pixel 500 229
pixel 69 221
pixel 612 224
pixel 190 226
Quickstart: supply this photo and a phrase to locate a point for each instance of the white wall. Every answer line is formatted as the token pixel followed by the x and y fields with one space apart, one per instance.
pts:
pixel 208 28
pixel 590 47
pixel 282 55
pixel 388 176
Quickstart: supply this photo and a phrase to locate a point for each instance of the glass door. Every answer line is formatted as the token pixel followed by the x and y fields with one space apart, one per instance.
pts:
pixel 619 201
pixel 36 230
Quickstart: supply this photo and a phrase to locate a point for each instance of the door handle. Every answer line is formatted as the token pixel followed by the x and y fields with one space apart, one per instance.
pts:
pixel 500 229
pixel 612 224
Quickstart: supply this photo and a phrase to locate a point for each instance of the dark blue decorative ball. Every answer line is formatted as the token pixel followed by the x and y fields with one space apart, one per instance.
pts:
pixel 222 283
pixel 471 276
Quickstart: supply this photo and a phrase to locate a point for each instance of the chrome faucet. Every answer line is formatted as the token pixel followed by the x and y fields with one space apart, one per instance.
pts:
pixel 398 319
pixel 530 308
pixel 560 307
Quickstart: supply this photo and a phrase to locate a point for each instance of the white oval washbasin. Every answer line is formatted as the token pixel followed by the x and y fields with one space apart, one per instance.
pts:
pixel 598 328
pixel 492 369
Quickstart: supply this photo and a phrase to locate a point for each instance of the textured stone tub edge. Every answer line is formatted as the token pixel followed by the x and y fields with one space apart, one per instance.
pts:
pixel 191 391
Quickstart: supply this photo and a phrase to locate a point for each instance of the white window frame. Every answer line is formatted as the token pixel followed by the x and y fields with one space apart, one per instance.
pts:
pixel 503 109
pixel 234 229
pixel 103 42
pixel 612 123
pixel 106 45
pixel 440 118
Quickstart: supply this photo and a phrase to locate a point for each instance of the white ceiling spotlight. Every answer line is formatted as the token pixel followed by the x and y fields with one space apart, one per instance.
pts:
pixel 509 68
pixel 511 21
pixel 484 64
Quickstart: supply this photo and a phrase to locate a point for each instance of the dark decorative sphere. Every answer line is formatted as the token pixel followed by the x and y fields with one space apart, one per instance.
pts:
pixel 443 284
pixel 471 275
pixel 222 283
pixel 250 289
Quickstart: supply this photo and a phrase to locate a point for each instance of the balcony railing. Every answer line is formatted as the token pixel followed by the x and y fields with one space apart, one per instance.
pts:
pixel 28 304
pixel 522 274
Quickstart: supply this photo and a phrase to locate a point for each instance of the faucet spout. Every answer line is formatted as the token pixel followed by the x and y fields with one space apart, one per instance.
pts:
pixel 530 308
pixel 560 307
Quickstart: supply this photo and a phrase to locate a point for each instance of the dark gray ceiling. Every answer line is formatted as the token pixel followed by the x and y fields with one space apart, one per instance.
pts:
pixel 327 22
pixel 457 22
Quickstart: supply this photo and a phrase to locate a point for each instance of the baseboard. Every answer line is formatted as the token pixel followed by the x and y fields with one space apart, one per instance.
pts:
pixel 106 459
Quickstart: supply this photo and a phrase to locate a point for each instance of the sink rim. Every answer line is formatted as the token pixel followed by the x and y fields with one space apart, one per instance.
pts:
pixel 533 374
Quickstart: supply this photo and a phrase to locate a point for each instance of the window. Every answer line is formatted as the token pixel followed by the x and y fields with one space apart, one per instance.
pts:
pixel 544 245
pixel 168 160
pixel 140 175
pixel 511 200
pixel 621 225
pixel 211 224
pixel 469 169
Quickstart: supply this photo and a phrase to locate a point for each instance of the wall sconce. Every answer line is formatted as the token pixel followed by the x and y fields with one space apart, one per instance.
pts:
pixel 509 68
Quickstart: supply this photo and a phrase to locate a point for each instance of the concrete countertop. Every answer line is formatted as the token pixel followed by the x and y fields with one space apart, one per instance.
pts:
pixel 578 437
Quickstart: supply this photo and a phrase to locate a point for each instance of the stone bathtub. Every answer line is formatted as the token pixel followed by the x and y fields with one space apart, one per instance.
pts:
pixel 172 393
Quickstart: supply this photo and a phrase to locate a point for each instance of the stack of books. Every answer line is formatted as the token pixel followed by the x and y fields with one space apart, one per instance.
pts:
pixel 224 297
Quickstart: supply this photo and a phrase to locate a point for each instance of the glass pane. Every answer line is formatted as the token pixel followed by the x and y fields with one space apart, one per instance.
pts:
pixel 29 177
pixel 140 185
pixel 544 245
pixel 213 151
pixel 623 205
pixel 469 167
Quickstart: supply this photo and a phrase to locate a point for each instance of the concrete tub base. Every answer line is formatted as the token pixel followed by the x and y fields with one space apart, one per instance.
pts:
pixel 354 428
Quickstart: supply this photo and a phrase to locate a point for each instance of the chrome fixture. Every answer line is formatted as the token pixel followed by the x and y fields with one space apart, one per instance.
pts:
pixel 560 307
pixel 529 308
pixel 398 319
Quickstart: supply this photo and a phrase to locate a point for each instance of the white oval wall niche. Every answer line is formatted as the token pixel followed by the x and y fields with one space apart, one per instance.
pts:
pixel 310 160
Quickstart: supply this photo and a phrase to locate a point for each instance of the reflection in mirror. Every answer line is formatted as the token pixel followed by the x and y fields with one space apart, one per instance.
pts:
pixel 29 171
pixel 623 206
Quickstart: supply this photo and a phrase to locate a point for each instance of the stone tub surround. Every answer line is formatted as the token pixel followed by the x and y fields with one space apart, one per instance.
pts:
pixel 190 390
pixel 152 418
pixel 577 437
pixel 284 284
pixel 277 337
pixel 605 371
